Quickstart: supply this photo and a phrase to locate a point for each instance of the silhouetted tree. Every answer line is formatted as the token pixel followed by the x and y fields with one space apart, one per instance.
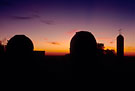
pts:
pixel 1 49
pixel 109 52
pixel 100 49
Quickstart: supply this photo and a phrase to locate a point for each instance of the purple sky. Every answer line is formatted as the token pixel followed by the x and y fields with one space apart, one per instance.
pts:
pixel 52 23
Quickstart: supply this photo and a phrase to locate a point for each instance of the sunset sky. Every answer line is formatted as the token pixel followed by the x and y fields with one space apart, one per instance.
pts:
pixel 51 24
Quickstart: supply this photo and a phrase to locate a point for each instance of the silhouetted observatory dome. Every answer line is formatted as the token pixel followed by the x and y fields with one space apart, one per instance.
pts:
pixel 20 44
pixel 83 43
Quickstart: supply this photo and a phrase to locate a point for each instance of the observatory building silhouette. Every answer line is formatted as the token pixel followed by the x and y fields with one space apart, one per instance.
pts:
pixel 83 44
pixel 120 45
pixel 19 52
pixel 19 44
pixel 83 51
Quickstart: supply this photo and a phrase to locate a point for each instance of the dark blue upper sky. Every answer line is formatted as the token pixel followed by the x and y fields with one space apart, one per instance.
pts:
pixel 123 8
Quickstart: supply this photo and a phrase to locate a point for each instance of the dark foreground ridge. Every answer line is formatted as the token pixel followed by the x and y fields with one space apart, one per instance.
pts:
pixel 85 61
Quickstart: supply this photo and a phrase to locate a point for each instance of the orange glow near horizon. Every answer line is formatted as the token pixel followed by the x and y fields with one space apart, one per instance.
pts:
pixel 54 52
pixel 58 52
pixel 128 51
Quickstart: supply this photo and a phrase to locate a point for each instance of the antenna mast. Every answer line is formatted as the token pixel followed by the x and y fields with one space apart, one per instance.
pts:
pixel 120 31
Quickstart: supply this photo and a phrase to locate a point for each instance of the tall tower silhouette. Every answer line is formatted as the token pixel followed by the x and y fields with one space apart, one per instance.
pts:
pixel 120 45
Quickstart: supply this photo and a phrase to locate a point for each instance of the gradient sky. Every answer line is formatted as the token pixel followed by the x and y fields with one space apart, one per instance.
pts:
pixel 52 23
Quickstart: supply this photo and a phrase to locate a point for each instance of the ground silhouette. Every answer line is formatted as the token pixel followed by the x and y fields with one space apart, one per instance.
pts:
pixel 83 62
